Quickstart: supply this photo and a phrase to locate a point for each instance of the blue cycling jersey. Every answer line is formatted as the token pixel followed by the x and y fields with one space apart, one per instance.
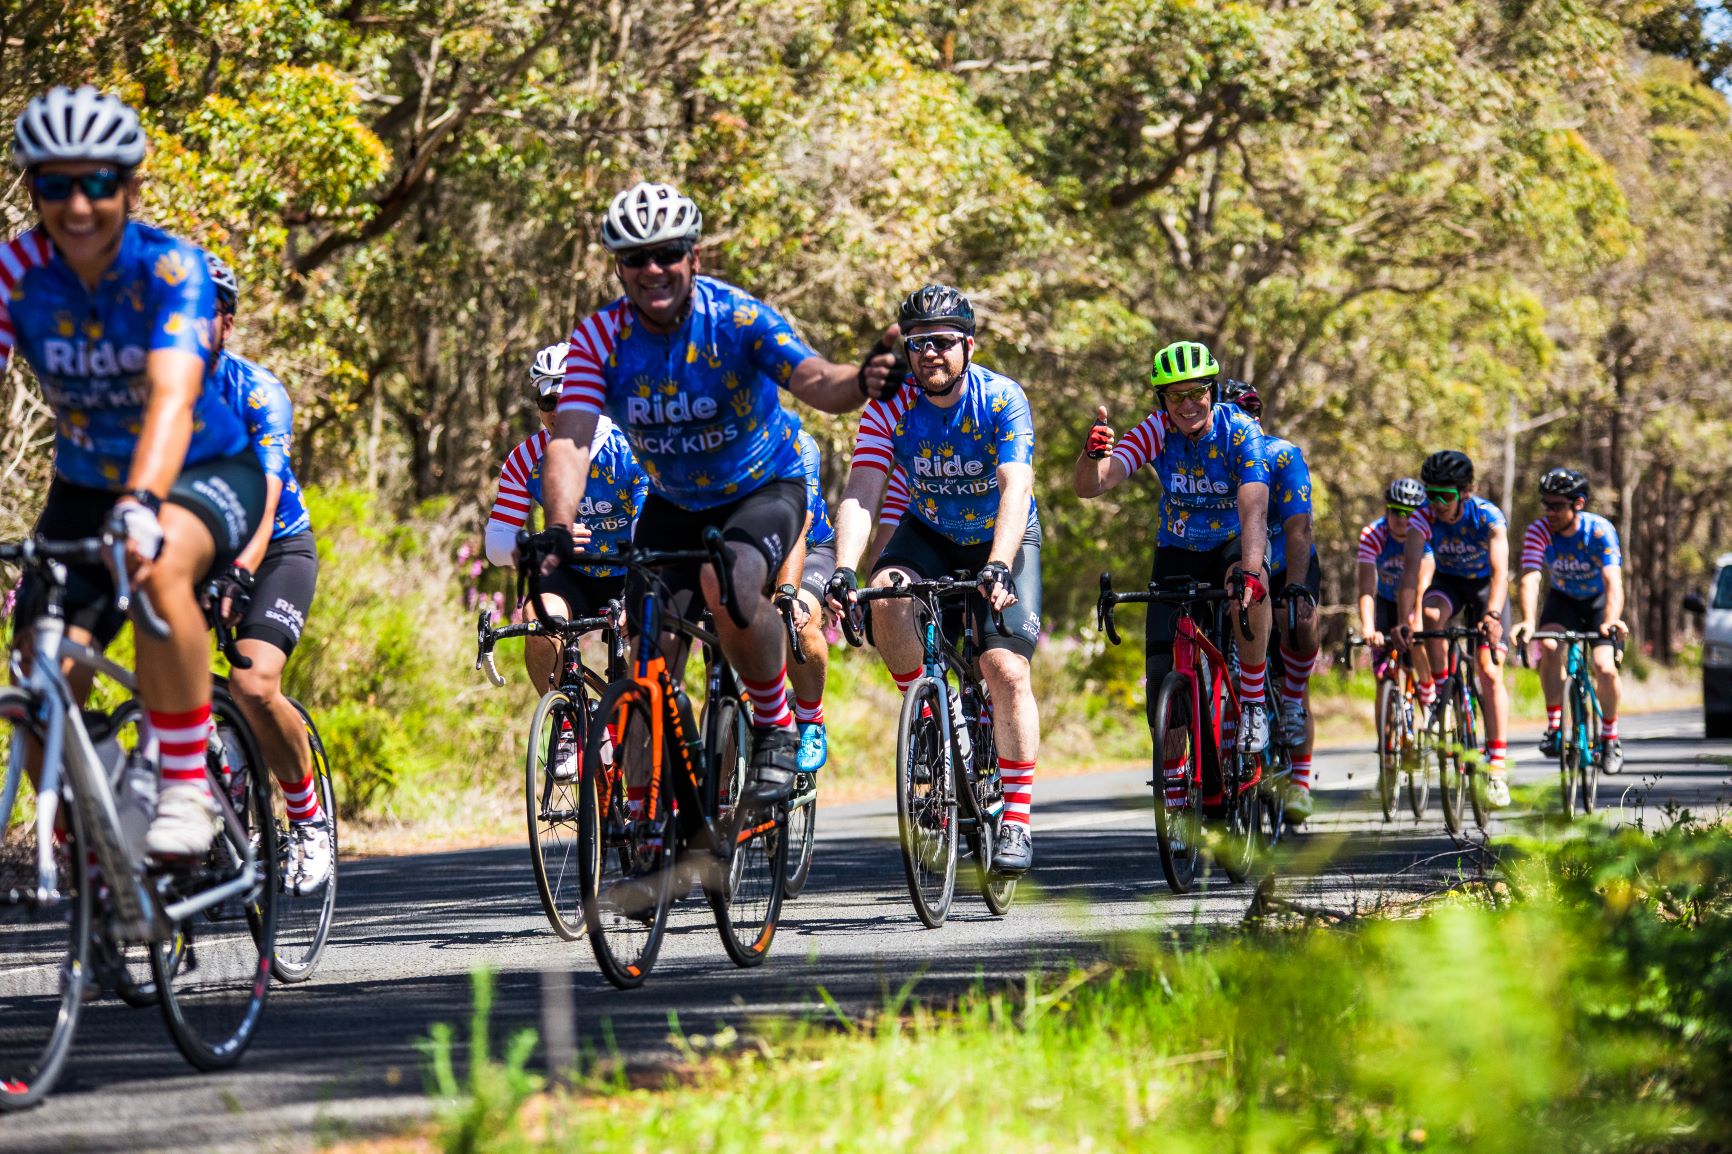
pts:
pixel 89 347
pixel 1289 496
pixel 1379 548
pixel 701 406
pixel 1463 549
pixel 1201 478
pixel 1577 563
pixel 612 499
pixel 821 532
pixel 951 456
pixel 264 406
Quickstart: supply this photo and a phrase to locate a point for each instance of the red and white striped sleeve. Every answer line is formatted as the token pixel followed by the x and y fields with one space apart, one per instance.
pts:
pixel 896 497
pixel 511 507
pixel 874 443
pixel 1534 542
pixel 18 256
pixel 1142 444
pixel 1420 523
pixel 592 343
pixel 1371 540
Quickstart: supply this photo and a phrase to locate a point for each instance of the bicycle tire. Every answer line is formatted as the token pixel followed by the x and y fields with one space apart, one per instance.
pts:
pixel 128 964
pixel 749 908
pixel 621 857
pixel 1235 848
pixel 44 1000
pixel 550 810
pixel 1452 780
pixel 1569 727
pixel 304 920
pixel 1590 749
pixel 926 804
pixel 1390 741
pixel 1472 721
pixel 1180 866
pixel 802 836
pixel 213 1004
pixel 986 791
pixel 1416 757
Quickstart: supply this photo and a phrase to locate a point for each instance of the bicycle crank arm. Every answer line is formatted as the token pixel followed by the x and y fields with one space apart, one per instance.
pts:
pixel 199 902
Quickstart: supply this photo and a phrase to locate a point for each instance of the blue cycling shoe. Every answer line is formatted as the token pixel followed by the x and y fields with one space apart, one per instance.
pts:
pixel 814 747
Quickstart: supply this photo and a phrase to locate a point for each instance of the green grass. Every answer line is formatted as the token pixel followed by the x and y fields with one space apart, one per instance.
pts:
pixel 1588 1008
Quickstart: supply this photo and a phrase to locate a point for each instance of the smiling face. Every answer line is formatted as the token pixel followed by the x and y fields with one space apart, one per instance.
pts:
pixel 938 354
pixel 1189 405
pixel 1560 513
pixel 86 231
pixel 1445 504
pixel 660 284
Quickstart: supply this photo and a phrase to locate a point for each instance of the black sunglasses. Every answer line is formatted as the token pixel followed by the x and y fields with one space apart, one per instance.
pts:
pixel 938 342
pixel 1556 506
pixel 547 402
pixel 666 256
pixel 58 186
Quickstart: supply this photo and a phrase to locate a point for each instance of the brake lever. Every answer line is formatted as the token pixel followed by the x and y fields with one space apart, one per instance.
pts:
pixel 135 603
pixel 484 647
pixel 1104 608
pixel 785 596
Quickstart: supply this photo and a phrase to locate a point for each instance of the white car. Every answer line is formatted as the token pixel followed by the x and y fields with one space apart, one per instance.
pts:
pixel 1716 650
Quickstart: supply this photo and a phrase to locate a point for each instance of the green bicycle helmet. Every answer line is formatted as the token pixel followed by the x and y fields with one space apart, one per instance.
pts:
pixel 1183 361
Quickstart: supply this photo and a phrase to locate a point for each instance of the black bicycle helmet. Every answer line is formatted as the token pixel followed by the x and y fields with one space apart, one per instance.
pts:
pixel 1447 468
pixel 1571 483
pixel 1405 491
pixel 936 304
pixel 1241 394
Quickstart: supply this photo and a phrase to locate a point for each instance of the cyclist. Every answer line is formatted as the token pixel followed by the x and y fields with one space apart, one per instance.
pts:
pixel 817 565
pixel 1382 557
pixel 964 438
pixel 1291 550
pixel 266 592
pixel 1470 540
pixel 1210 460
pixel 613 499
pixel 1580 551
pixel 115 319
pixel 691 368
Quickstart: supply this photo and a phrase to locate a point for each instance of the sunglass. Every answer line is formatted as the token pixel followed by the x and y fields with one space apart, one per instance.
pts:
pixel 1177 396
pixel 1400 511
pixel 547 402
pixel 1556 506
pixel 666 257
pixel 941 343
pixel 58 186
pixel 1443 495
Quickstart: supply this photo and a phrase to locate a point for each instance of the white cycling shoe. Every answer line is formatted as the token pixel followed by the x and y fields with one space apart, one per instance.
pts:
pixel 1254 728
pixel 1496 791
pixel 185 822
pixel 310 857
pixel 1292 729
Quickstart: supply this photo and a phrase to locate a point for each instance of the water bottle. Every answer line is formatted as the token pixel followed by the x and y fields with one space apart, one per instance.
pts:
pixel 959 726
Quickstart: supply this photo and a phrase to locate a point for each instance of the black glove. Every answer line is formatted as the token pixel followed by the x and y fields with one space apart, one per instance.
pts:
pixel 234 585
pixel 1293 590
pixel 898 370
pixel 842 582
pixel 994 573
pixel 556 541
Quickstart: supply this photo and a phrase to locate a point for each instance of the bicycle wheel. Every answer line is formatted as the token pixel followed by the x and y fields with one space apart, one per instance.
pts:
pixel 304 920
pixel 550 810
pixel 44 939
pixel 1415 757
pixel 1588 746
pixel 1389 747
pixel 624 856
pixel 1471 718
pixel 749 907
pixel 926 804
pixel 1178 829
pixel 802 835
pixel 986 789
pixel 1451 778
pixel 1236 846
pixel 1568 755
pixel 213 972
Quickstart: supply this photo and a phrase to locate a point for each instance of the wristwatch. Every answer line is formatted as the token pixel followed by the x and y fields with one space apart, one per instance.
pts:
pixel 146 498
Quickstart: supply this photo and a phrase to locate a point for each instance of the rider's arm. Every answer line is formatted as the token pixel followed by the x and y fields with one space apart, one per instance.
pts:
pixel 860 498
pixel 565 467
pixel 511 507
pixel 1367 598
pixel 1138 448
pixel 175 380
pixel 1498 547
pixel 895 504
pixel 254 554
pixel 1530 597
pixel 1413 580
pixel 1299 544
pixel 1614 577
pixel 833 388
pixel 270 419
pixel 1253 525
pixel 1094 477
pixel 1015 495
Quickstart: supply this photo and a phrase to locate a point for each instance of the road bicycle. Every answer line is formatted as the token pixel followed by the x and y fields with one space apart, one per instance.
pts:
pixel 1580 746
pixel 75 889
pixel 1403 743
pixel 1201 774
pixel 948 788
pixel 1278 758
pixel 676 798
pixel 803 806
pixel 558 733
pixel 303 920
pixel 1457 726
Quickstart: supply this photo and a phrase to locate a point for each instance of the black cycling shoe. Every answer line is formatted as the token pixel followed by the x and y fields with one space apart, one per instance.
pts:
pixel 775 761
pixel 1014 853
pixel 1552 743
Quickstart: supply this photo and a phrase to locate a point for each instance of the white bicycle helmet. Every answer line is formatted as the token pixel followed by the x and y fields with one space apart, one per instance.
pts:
pixel 228 289
pixel 647 214
pixel 548 372
pixel 84 125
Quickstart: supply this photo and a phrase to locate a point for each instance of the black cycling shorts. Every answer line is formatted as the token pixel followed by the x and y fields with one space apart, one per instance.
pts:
pixel 282 593
pixel 770 519
pixel 584 595
pixel 1383 615
pixel 1575 614
pixel 820 564
pixel 1209 565
pixel 927 553
pixel 227 495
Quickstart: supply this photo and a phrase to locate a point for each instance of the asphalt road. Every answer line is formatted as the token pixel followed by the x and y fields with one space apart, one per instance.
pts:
pixel 339 1056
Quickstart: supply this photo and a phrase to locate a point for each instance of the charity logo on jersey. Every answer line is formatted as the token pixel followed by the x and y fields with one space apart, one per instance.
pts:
pixel 173 268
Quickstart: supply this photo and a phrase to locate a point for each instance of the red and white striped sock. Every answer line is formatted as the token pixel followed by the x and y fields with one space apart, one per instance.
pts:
pixel 1427 694
pixel 1173 769
pixel 1495 752
pixel 1253 680
pixel 769 700
pixel 809 712
pixel 1438 682
pixel 1554 717
pixel 1302 771
pixel 1608 729
pixel 905 682
pixel 302 801
pixel 1297 674
pixel 1018 778
pixel 181 739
